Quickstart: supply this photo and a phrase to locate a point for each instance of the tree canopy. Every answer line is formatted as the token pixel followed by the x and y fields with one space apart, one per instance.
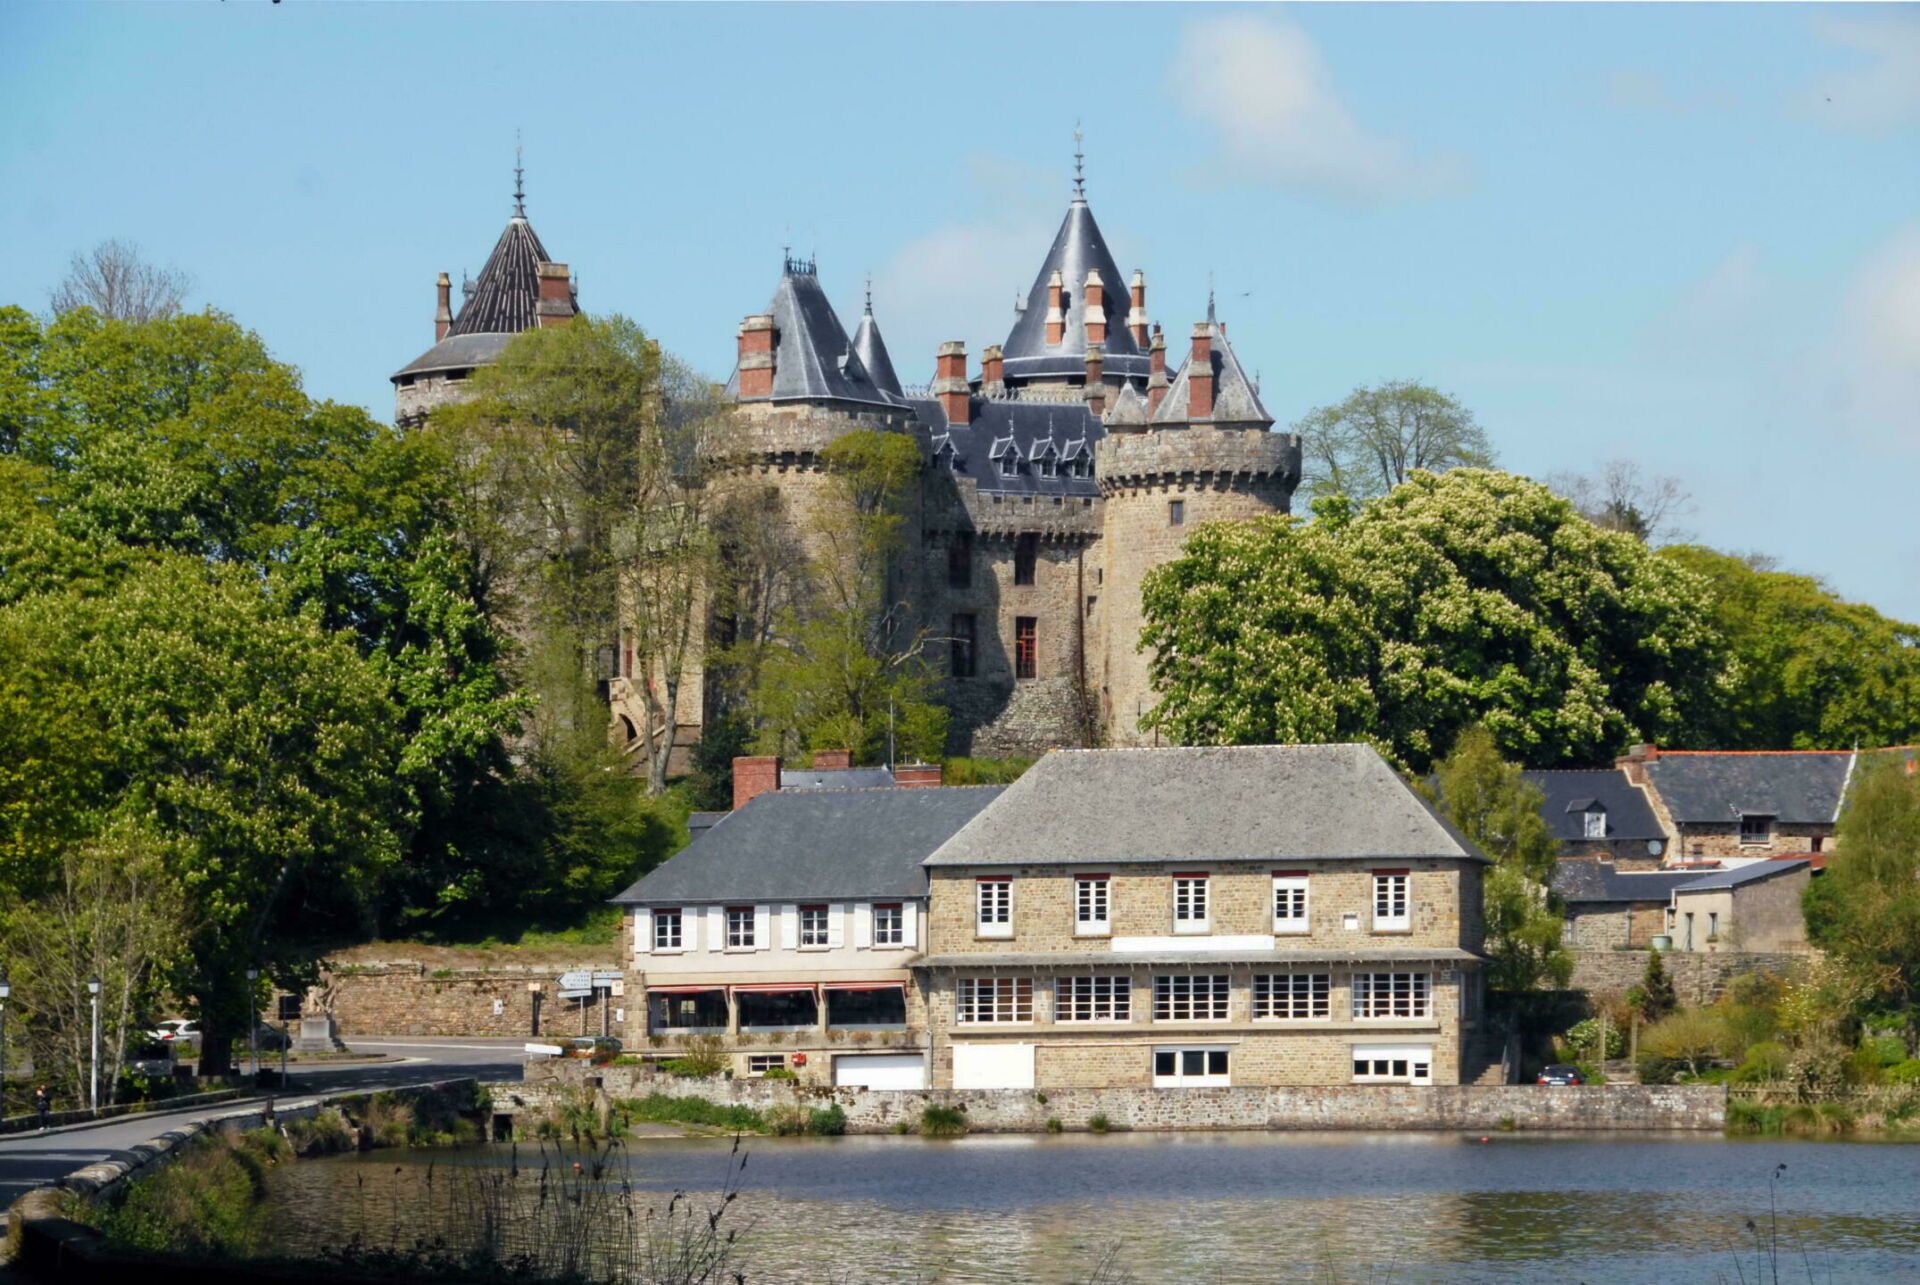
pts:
pixel 1379 437
pixel 1865 910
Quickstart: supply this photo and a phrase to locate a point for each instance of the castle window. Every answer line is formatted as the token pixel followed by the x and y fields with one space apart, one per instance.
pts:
pixel 1026 646
pixel 1755 828
pixel 961 644
pixel 960 560
pixel 1048 468
pixel 1026 551
pixel 1009 464
pixel 1093 600
pixel 1176 512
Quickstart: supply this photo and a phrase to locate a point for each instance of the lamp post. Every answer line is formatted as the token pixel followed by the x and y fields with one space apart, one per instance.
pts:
pixel 253 1025
pixel 93 1072
pixel 6 993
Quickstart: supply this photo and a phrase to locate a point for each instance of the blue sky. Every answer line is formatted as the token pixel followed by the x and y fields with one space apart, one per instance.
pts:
pixel 1688 236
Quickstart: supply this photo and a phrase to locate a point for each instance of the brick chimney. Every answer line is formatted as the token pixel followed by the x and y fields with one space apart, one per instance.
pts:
pixel 1156 371
pixel 1056 313
pixel 832 760
pixel 1095 307
pixel 1634 762
pixel 950 382
pixel 1200 374
pixel 754 776
pixel 1137 314
pixel 443 313
pixel 555 307
pixel 1096 378
pixel 757 342
pixel 919 776
pixel 993 372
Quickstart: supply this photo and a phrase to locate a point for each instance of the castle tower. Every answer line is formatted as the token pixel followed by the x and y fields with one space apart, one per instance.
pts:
pixel 1204 453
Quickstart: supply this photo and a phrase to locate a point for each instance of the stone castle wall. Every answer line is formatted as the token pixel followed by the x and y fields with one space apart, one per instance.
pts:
pixel 403 998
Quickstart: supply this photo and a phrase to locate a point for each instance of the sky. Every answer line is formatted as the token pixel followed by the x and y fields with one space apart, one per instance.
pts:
pixel 1686 236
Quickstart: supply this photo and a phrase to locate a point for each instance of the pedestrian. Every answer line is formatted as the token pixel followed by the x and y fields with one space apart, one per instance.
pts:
pixel 43 1104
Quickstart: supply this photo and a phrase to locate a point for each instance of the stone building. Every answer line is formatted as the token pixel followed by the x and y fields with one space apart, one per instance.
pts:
pixel 1057 471
pixel 1744 805
pixel 1180 918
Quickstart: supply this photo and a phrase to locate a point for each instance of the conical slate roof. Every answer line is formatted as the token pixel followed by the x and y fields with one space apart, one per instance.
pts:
pixel 871 349
pixel 1236 401
pixel 1077 248
pixel 508 289
pixel 813 360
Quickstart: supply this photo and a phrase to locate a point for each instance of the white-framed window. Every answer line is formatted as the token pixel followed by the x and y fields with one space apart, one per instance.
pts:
pixel 814 929
pixel 1390 907
pixel 1190 997
pixel 1009 464
pixel 1392 995
pixel 1393 1064
pixel 759 1064
pixel 1189 1068
pixel 1292 997
pixel 1713 925
pixel 993 906
pixel 982 1000
pixel 1049 467
pixel 1190 903
pixel 1756 828
pixel 1290 902
pixel 1093 999
pixel 667 930
pixel 740 928
pixel 1596 822
pixel 1092 905
pixel 889 924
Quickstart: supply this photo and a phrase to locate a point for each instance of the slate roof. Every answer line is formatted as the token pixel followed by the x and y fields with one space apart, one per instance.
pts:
pixel 835 778
pixel 456 352
pixel 1077 247
pixel 1023 426
pixel 1797 787
pixel 1629 816
pixel 1203 804
pixel 813 360
pixel 1751 873
pixel 1598 881
pixel 500 306
pixel 815 845
pixel 871 349
pixel 1235 399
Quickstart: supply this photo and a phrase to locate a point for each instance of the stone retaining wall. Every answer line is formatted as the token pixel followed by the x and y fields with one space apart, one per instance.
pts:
pixel 1697 978
pixel 1474 1108
pixel 401 997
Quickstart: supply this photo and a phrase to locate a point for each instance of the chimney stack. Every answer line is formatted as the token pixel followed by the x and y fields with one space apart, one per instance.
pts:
pixel 1156 371
pixel 1200 374
pixel 993 371
pixel 832 760
pixel 1094 307
pixel 918 776
pixel 555 307
pixel 443 313
pixel 1056 313
pixel 756 357
pixel 753 777
pixel 950 382
pixel 1137 315
pixel 1096 378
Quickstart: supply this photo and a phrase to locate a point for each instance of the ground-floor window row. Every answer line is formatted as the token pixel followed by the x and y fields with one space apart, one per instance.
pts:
pixel 1292 996
pixel 1194 1064
pixel 775 1006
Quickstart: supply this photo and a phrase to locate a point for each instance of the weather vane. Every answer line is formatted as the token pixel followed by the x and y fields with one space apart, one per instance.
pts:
pixel 1079 163
pixel 519 184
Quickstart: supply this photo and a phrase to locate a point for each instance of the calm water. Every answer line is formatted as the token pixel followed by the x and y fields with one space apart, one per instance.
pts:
pixel 1248 1207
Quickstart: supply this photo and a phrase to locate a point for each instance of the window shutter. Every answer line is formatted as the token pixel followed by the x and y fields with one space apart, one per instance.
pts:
pixel 690 927
pixel 716 927
pixel 836 925
pixel 908 911
pixel 643 931
pixel 762 928
pixel 863 925
pixel 789 927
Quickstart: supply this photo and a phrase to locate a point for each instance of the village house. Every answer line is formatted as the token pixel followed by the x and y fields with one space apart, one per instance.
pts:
pixel 1737 806
pixel 1754 907
pixel 1598 814
pixel 1260 915
pixel 787 929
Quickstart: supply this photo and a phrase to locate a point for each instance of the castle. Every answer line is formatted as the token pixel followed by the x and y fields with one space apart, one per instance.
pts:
pixel 1057 472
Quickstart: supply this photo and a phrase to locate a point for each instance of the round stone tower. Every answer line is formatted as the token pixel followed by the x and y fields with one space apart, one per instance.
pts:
pixel 1205 454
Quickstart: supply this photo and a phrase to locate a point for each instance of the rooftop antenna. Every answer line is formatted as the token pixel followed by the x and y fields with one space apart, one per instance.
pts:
pixel 519 184
pixel 1079 165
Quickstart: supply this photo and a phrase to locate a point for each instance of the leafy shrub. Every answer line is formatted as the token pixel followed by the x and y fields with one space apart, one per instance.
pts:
pixel 326 1133
pixel 779 1073
pixel 1863 1066
pixel 1765 1062
pixel 942 1122
pixel 1907 1072
pixel 1583 1038
pixel 207 1203
pixel 1054 1125
pixel 387 1120
pixel 1656 997
pixel 1886 1050
pixel 785 1121
pixel 1098 1122
pixel 702 1058
pixel 827 1122
pixel 666 1109
pixel 1692 1039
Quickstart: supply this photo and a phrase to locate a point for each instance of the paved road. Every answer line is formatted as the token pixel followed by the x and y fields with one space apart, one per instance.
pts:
pixel 32 1159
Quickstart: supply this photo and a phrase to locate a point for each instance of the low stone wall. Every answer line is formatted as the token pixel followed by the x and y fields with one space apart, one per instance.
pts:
pixel 1697 978
pixel 1471 1107
pixel 58 1119
pixel 402 997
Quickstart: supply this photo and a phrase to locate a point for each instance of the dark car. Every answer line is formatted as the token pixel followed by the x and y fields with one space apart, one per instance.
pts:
pixel 1560 1074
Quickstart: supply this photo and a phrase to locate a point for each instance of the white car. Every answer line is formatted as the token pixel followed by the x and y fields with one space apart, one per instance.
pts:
pixel 179 1030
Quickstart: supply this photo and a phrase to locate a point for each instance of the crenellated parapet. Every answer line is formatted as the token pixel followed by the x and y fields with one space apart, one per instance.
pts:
pixel 1197 458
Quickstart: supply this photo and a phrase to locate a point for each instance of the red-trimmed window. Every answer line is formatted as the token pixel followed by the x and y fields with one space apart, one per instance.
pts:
pixel 1026 646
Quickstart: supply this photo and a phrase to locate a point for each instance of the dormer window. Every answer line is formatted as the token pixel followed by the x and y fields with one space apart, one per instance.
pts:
pixel 1009 466
pixel 1596 823
pixel 1756 827
pixel 1048 468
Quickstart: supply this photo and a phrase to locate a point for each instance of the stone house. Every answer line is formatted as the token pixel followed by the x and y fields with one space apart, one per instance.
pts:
pixel 1173 918
pixel 788 928
pixel 1734 806
pixel 1598 814
pixel 1753 908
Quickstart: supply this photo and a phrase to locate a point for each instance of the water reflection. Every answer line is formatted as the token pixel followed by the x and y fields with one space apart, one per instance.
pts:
pixel 1233 1207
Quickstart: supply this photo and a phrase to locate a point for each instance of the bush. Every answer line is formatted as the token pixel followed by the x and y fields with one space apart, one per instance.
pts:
pixel 1691 1038
pixel 1765 1061
pixel 785 1121
pixel 1054 1125
pixel 206 1204
pixel 665 1109
pixel 1656 996
pixel 388 1121
pixel 942 1122
pixel 702 1058
pixel 827 1122
pixel 1886 1050
pixel 1908 1072
pixel 779 1073
pixel 324 1134
pixel 1098 1122
pixel 1582 1038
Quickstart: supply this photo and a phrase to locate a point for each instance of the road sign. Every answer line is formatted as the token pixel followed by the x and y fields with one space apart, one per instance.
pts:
pixel 577 980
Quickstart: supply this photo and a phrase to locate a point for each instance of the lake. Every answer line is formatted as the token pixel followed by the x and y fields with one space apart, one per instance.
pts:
pixel 1243 1206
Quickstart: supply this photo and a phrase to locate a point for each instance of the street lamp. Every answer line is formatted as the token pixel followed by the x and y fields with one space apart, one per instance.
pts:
pixel 253 1024
pixel 93 1072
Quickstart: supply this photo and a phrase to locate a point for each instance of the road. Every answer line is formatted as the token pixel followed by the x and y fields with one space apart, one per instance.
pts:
pixel 31 1159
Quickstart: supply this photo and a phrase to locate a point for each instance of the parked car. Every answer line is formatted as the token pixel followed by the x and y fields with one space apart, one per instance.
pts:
pixel 595 1048
pixel 153 1058
pixel 177 1030
pixel 1560 1075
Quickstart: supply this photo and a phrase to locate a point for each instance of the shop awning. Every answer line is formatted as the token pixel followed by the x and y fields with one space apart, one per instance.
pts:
pixel 684 990
pixel 863 986
pixel 773 988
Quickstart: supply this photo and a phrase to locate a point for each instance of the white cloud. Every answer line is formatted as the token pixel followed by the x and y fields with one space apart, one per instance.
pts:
pixel 1882 90
pixel 1265 89
pixel 1874 363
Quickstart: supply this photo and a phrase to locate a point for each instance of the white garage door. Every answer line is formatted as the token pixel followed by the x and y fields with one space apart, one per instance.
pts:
pixel 993 1066
pixel 881 1070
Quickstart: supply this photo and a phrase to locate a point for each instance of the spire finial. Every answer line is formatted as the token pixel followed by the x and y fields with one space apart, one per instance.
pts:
pixel 1079 165
pixel 1210 318
pixel 869 294
pixel 519 180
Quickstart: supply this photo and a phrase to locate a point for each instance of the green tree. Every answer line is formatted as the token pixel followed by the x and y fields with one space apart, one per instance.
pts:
pixel 1493 805
pixel 1467 598
pixel 1865 910
pixel 1810 669
pixel 1379 437
pixel 1656 997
